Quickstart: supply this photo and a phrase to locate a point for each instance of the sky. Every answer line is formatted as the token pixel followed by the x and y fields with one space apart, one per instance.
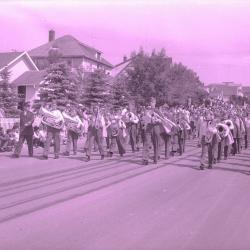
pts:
pixel 210 37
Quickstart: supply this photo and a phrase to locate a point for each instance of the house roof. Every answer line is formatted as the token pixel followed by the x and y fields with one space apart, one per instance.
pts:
pixel 7 57
pixel 32 77
pixel 120 67
pixel 69 47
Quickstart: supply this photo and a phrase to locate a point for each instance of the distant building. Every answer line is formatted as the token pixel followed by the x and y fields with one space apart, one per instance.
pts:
pixel 246 91
pixel 73 52
pixel 224 90
pixel 24 74
pixel 120 69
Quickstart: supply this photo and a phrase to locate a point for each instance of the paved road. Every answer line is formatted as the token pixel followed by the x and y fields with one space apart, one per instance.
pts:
pixel 120 204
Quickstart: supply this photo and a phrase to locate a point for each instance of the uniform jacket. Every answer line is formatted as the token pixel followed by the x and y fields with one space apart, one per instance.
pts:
pixel 26 121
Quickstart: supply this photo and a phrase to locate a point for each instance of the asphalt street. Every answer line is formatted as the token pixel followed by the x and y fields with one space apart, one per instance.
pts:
pixel 119 204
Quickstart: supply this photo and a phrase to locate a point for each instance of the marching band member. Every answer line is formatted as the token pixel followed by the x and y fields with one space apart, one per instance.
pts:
pixel 141 127
pixel 95 132
pixel 152 132
pixel 166 132
pixel 72 134
pixel 226 139
pixel 53 133
pixel 239 131
pixel 131 123
pixel 26 131
pixel 207 131
pixel 181 132
pixel 247 122
pixel 117 133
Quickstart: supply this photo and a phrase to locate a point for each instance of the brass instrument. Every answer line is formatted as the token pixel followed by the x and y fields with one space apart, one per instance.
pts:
pixel 223 130
pixel 50 119
pixel 230 124
pixel 71 123
pixel 167 124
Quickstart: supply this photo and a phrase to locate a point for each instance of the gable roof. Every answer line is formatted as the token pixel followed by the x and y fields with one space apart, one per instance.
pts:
pixel 69 47
pixel 7 57
pixel 119 68
pixel 32 77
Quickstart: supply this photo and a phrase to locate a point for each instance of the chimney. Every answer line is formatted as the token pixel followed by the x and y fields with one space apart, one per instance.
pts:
pixel 51 35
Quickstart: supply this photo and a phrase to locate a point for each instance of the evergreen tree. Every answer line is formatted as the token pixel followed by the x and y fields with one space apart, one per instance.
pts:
pixel 60 84
pixel 8 95
pixel 97 89
pixel 120 95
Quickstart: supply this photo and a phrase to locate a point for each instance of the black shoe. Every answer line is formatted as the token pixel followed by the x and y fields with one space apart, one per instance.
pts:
pixel 44 157
pixel 30 155
pixel 110 154
pixel 144 162
pixel 121 155
pixel 102 157
pixel 88 158
pixel 56 157
pixel 138 149
pixel 15 156
pixel 210 167
pixel 201 167
pixel 66 153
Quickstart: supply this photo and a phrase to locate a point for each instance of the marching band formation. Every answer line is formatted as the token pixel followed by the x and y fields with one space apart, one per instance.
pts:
pixel 221 129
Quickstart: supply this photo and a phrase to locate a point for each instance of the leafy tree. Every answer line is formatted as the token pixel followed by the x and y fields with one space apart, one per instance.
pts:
pixel 155 75
pixel 146 77
pixel 8 95
pixel 59 84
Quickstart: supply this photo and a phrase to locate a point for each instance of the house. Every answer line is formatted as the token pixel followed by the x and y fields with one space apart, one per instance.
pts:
pixel 120 68
pixel 24 74
pixel 224 90
pixel 73 52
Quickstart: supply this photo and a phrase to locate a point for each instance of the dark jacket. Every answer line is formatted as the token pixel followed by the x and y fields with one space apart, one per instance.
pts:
pixel 26 123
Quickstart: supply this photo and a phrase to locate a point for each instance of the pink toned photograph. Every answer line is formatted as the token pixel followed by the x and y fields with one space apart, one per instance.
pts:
pixel 125 125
